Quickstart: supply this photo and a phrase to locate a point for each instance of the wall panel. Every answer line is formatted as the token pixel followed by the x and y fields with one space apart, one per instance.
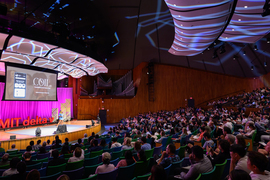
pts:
pixel 173 85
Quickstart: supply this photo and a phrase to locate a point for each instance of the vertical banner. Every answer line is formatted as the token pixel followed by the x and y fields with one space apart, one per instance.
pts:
pixel 55 114
pixel 68 107
pixel 64 110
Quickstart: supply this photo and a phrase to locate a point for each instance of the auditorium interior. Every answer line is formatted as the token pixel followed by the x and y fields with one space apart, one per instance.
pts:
pixel 120 71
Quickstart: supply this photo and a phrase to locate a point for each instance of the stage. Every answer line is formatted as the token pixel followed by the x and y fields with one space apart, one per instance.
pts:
pixel 76 129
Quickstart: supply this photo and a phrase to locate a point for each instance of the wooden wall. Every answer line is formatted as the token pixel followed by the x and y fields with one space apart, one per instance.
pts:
pixel 173 85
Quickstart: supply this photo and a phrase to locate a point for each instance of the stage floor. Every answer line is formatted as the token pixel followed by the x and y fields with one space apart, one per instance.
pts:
pixel 46 130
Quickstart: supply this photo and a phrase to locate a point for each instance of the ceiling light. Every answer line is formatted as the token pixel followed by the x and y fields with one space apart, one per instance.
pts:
pixel 255 47
pixel 215 43
pixel 252 68
pixel 235 57
pixel 239 19
pixel 265 64
pixel 268 40
pixel 244 53
pixel 245 6
pixel 232 29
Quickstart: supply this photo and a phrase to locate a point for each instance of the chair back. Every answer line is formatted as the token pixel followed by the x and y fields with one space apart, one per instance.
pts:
pixel 175 165
pixel 41 160
pixel 96 153
pixel 91 161
pixel 116 155
pixel 140 168
pixel 169 140
pixel 51 177
pixel 75 174
pixel 108 175
pixel 115 149
pixel 157 150
pixel 108 150
pixel 208 175
pixel 74 165
pixel 164 143
pixel 108 140
pixel 253 137
pixel 12 152
pixel 7 166
pixel 177 151
pixel 42 171
pixel 199 177
pixel 143 177
pixel 87 155
pixel 42 156
pixel 2 170
pixel 34 166
pixel 183 140
pixel 94 177
pixel 124 151
pixel 167 170
pixel 114 162
pixel 120 140
pixel 226 169
pixel 90 170
pixel 182 151
pixel 55 169
pixel 219 171
pixel 247 146
pixel 149 153
pixel 126 173
pixel 68 155
pixel 85 141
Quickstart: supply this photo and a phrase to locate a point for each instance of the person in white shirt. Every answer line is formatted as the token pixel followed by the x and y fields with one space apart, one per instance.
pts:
pixel 257 163
pixel 115 143
pixel 227 123
pixel 238 158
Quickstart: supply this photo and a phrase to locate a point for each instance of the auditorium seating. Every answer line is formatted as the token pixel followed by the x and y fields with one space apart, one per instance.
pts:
pixel 75 174
pixel 109 175
pixel 126 173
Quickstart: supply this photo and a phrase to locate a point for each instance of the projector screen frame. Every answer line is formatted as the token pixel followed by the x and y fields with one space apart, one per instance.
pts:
pixel 29 67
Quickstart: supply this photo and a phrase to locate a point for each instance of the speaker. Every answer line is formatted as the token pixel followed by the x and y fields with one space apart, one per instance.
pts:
pixel 62 128
pixel 191 103
pixel 87 126
pixel 3 9
pixel 13 137
pixel 103 116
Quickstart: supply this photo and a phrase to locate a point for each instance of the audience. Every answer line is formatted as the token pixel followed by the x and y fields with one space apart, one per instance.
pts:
pixel 223 153
pixel 106 166
pixel 95 146
pixel 145 146
pixel 13 167
pixel 127 161
pixel 27 159
pixel 115 143
pixel 168 156
pixel 77 155
pixel 33 175
pixel 56 160
pixel 257 164
pixel 5 160
pixel 238 174
pixel 238 158
pixel 21 168
pixel 126 144
pixel 157 173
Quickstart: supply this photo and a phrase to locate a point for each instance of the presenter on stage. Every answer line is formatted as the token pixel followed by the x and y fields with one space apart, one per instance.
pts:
pixel 60 122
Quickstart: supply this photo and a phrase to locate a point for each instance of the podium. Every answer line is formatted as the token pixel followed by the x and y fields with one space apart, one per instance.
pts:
pixel 103 116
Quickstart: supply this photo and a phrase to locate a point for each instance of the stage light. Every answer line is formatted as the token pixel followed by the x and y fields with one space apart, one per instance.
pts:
pixel 215 55
pixel 235 57
pixel 38 131
pixel 252 68
pixel 268 40
pixel 265 64
pixel 255 47
pixel 244 53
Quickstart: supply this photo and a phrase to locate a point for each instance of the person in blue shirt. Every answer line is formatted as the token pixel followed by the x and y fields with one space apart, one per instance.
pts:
pixel 60 118
pixel 145 146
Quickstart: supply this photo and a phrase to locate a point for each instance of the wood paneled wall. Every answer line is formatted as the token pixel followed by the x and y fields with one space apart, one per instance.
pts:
pixel 173 85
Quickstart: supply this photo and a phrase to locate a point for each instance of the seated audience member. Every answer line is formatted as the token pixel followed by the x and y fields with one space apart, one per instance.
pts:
pixel 84 136
pixel 42 149
pixel 57 140
pixel 162 133
pixel 1 149
pixel 48 142
pixel 208 141
pixel 21 168
pixel 5 160
pixel 13 148
pixel 238 158
pixel 92 136
pixel 198 138
pixel 230 138
pixel 137 147
pixel 27 159
pixel 65 149
pixel 223 153
pixel 127 161
pixel 126 144
pixel 238 174
pixel 138 135
pixel 38 145
pixel 77 156
pixel 199 164
pixel 227 123
pixel 32 144
pixel 115 143
pixel 56 160
pixel 157 173
pixel 13 167
pixel 79 143
pixel 257 163
pixel 266 149
pixel 226 131
pixel 95 147
pixel 29 150
pixel 141 156
pixel 106 166
pixel 63 177
pixel 145 146
pixel 168 156
pixel 103 144
pixel 239 139
pixel 250 131
pixel 33 175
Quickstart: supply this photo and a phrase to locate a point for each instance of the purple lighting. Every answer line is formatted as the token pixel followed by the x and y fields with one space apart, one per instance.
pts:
pixel 23 109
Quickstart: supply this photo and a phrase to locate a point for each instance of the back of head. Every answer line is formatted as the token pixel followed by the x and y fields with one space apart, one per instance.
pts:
pixel 258 159
pixel 39 141
pixel 143 139
pixel 172 148
pixel 142 155
pixel 225 145
pixel 206 135
pixel 230 138
pixel 27 155
pixel 32 143
pixel 95 142
pixel 44 144
pixel 79 141
pixel 106 158
pixel 241 140
pixel 21 167
pixel 13 146
pixel 33 175
pixel 29 148
pixel 63 177
pixel 14 161
pixel 239 149
pixel 114 139
pixel 55 154
pixel 137 146
pixel 238 174
pixel 78 152
pixel 197 151
pixel 5 157
pixel 227 130
pixel 158 173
